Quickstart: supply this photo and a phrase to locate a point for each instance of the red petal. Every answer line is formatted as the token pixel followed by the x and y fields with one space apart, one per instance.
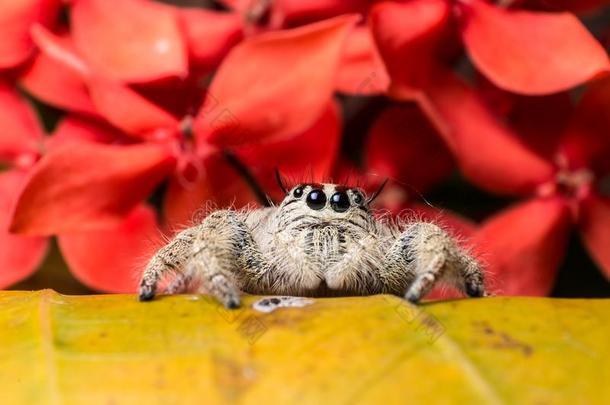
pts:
pixel 57 85
pixel 486 150
pixel 595 229
pixel 311 154
pixel 75 128
pixel 110 260
pixel 586 142
pixel 531 52
pixel 403 145
pixel 61 50
pixel 179 97
pixel 20 255
pixel 16 18
pixel 128 110
pixel 84 185
pixel 130 40
pixel 215 184
pixel 408 36
pixel 273 68
pixel 209 35
pixel 524 245
pixel 539 121
pixel 21 132
pixel 536 120
pixel 362 71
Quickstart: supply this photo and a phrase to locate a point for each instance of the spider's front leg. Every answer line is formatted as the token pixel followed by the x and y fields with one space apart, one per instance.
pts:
pixel 213 252
pixel 427 254
pixel 169 259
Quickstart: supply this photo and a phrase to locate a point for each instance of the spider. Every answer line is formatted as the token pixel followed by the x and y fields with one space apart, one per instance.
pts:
pixel 321 240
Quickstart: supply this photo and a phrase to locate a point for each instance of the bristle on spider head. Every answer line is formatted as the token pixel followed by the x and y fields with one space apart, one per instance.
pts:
pixel 347 178
pixel 280 181
pixel 377 192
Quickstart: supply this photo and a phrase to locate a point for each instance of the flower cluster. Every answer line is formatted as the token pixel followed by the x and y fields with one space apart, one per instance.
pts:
pixel 190 105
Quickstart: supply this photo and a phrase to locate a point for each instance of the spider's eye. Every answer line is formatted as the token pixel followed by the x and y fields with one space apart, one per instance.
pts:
pixel 298 192
pixel 358 198
pixel 316 199
pixel 339 202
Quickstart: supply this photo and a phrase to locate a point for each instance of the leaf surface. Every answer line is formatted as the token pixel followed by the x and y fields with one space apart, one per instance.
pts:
pixel 374 349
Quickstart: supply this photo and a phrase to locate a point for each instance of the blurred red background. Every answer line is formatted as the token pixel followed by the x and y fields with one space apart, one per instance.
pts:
pixel 122 121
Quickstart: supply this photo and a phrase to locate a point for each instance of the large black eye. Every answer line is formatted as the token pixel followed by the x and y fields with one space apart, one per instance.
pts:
pixel 298 192
pixel 316 199
pixel 339 202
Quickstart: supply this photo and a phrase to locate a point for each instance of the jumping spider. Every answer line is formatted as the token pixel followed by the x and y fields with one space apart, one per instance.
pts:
pixel 322 240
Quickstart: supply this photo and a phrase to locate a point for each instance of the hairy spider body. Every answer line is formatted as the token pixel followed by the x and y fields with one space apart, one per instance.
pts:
pixel 322 240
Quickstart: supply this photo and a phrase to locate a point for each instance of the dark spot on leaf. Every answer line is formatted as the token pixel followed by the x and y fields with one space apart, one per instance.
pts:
pixel 502 340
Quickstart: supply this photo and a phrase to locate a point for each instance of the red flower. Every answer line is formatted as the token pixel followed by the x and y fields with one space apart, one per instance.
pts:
pixel 550 51
pixel 564 190
pixel 134 78
pixel 88 188
pixel 521 51
pixel 19 147
pixel 132 41
pixel 16 19
pixel 361 69
pixel 22 145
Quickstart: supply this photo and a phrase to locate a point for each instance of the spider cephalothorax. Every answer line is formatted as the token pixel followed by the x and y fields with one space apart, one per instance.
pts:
pixel 321 240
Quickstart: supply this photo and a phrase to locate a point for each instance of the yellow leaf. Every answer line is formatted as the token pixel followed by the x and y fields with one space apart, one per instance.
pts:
pixel 187 349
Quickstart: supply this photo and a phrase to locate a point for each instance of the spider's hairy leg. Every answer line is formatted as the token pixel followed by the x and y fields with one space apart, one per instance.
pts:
pixel 224 256
pixel 170 258
pixel 432 255
pixel 397 271
pixel 181 283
